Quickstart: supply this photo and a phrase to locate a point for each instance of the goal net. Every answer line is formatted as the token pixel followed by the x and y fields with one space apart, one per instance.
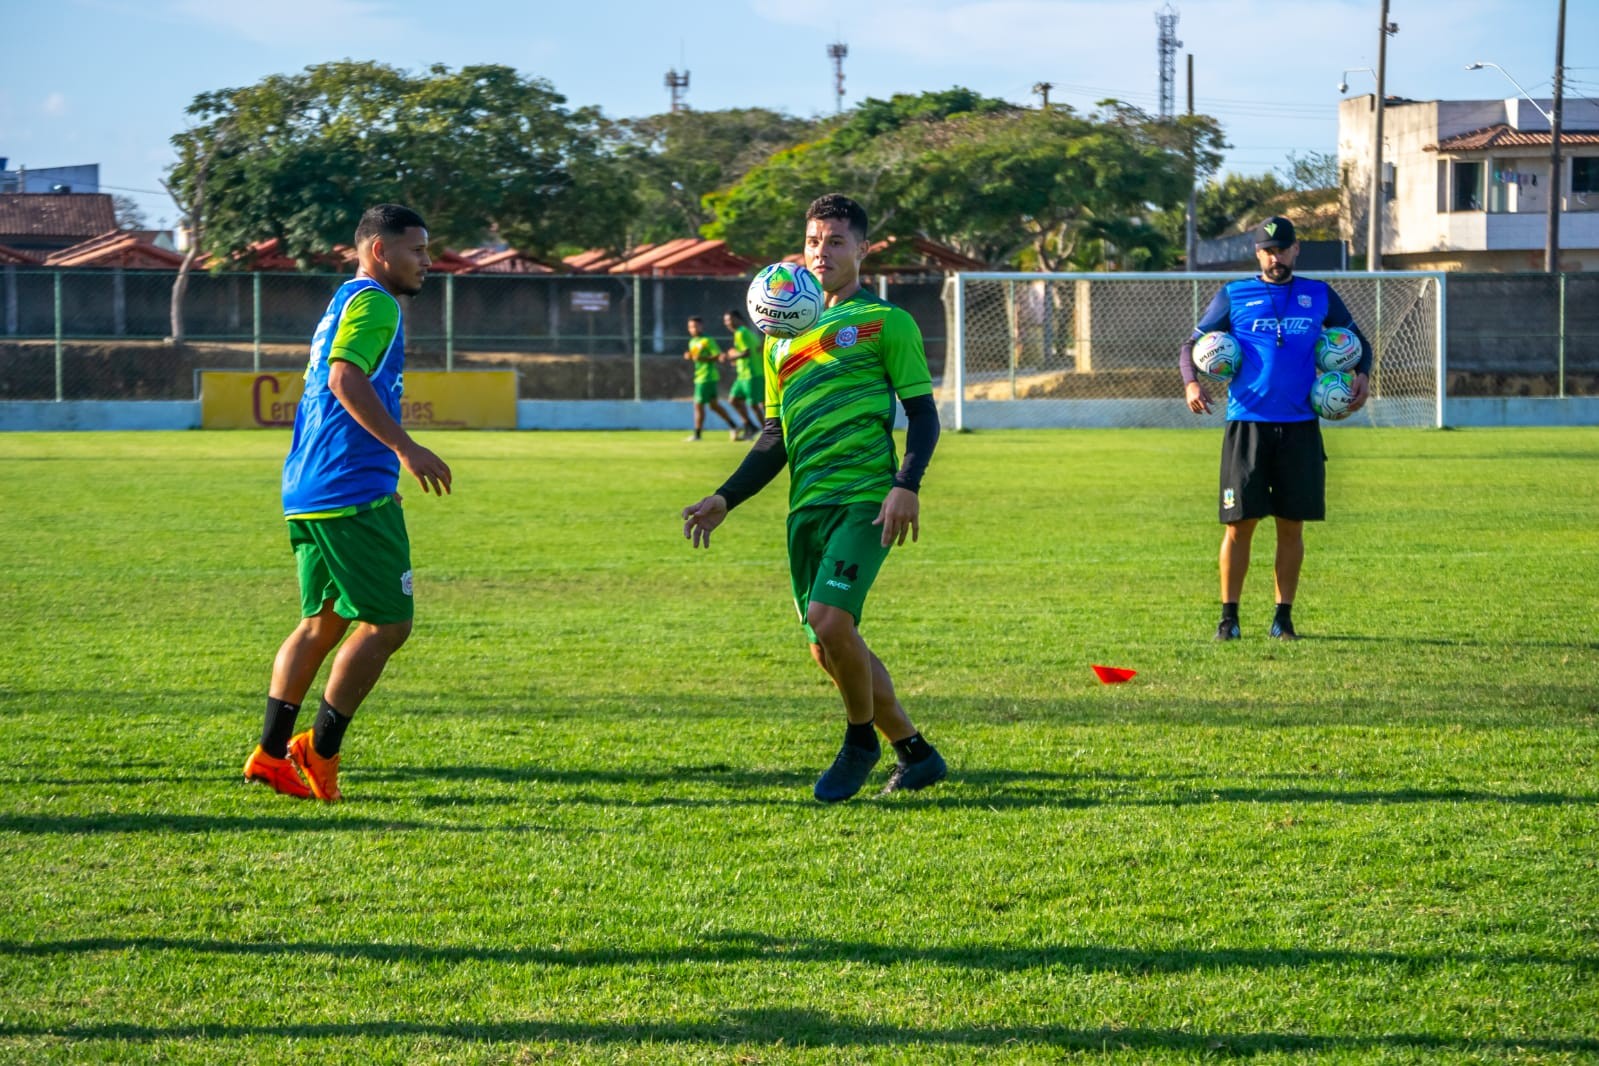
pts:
pixel 1057 350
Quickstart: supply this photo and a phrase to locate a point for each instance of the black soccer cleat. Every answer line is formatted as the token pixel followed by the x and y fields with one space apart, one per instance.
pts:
pixel 847 774
pixel 1227 629
pixel 1283 629
pixel 910 777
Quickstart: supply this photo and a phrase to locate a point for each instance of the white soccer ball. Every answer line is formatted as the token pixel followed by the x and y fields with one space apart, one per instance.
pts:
pixel 1337 349
pixel 784 300
pixel 1332 394
pixel 1217 354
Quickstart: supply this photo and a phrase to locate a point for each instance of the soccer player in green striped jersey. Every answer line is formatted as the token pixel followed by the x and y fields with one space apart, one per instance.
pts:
pixel 749 385
pixel 830 420
pixel 703 352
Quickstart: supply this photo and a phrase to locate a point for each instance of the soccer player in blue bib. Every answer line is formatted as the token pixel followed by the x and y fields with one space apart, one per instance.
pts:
pixel 344 518
pixel 1272 462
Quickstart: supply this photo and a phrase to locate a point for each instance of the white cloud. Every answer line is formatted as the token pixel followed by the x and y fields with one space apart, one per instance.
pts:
pixel 55 104
pixel 370 23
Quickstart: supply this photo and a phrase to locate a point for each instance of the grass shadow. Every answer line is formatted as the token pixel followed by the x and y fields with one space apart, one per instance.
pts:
pixel 742 947
pixel 799 1027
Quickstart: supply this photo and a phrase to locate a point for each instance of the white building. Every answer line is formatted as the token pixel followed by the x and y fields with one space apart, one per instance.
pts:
pixel 1466 182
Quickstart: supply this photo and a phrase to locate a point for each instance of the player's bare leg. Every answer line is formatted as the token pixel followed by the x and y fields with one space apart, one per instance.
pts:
pixel 302 654
pixel 1290 559
pixel 356 669
pixel 1236 540
pixel 360 662
pixel 296 666
pixel 888 714
pixel 860 674
pixel 727 416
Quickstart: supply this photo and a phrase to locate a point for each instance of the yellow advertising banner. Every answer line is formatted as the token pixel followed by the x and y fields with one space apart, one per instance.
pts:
pixel 433 399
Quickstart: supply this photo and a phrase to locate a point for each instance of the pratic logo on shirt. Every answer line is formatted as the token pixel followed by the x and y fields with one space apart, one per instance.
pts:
pixel 842 585
pixel 1295 324
pixel 847 336
pixel 1253 303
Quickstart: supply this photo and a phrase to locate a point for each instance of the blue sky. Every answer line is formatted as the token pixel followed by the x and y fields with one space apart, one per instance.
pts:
pixel 107 81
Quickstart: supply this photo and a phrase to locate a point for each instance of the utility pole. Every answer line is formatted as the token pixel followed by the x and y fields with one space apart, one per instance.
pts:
pixel 1191 238
pixel 836 52
pixel 1375 207
pixel 1041 89
pixel 1551 253
pixel 678 84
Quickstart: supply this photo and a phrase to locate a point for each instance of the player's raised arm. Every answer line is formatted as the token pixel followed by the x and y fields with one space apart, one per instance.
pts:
pixel 765 459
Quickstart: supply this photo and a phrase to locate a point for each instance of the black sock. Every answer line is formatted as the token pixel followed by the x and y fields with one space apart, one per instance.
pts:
pixel 1229 612
pixel 328 734
pixel 278 727
pixel 913 749
pixel 1285 612
pixel 863 735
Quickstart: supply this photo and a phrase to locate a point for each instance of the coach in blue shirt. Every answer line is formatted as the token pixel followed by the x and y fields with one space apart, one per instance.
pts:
pixel 1272 462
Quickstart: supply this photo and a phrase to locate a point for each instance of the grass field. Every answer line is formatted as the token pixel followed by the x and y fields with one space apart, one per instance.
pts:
pixel 579 827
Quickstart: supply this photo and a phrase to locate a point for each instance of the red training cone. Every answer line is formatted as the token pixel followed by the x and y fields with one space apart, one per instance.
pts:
pixel 1114 675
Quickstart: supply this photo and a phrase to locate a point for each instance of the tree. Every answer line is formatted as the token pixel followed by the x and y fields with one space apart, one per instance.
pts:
pixel 997 182
pixel 479 150
pixel 129 214
pixel 676 159
pixel 761 213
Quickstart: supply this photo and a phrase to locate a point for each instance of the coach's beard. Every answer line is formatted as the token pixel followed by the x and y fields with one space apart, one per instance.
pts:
pixel 1278 273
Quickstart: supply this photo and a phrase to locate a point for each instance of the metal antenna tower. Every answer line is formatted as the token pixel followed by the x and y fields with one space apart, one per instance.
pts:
pixel 1166 19
pixel 678 84
pixel 836 52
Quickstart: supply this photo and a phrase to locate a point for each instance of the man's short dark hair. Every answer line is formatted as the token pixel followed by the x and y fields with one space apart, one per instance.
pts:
pixel 837 205
pixel 696 318
pixel 387 220
pixel 735 314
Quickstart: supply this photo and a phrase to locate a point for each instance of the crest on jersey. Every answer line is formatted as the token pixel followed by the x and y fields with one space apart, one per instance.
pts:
pixel 847 336
pixel 1304 300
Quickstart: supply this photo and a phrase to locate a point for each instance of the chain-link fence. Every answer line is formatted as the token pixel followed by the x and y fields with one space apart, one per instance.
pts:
pixel 1101 349
pixel 100 334
pixel 1106 343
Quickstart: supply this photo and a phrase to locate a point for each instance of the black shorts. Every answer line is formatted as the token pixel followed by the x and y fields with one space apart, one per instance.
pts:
pixel 1273 468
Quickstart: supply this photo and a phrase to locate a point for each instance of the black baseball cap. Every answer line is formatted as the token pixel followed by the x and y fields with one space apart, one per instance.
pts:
pixel 1275 232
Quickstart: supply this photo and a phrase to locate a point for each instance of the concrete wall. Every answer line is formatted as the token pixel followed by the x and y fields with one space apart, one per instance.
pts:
pixel 677 416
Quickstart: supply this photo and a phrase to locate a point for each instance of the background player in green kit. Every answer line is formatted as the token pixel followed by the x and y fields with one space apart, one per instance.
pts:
pixel 749 383
pixel 830 418
pixel 705 354
pixel 344 518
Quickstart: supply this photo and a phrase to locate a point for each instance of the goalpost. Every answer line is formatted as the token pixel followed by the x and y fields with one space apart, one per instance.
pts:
pixel 1058 350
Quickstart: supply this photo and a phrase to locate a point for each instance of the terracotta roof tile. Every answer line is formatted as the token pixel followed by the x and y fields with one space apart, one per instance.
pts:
pixel 1502 135
pixel 117 248
pixel 12 257
pixel 57 215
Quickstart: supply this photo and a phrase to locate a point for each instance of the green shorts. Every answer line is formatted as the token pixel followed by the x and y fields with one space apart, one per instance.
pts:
pixel 705 392
pixel 834 554
pixel 361 562
pixel 750 390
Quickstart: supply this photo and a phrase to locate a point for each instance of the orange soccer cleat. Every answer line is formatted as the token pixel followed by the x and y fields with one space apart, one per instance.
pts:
pixel 323 774
pixel 279 774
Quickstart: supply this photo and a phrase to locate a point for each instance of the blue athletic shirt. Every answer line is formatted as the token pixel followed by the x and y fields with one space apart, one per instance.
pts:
pixel 1276 327
pixel 334 465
